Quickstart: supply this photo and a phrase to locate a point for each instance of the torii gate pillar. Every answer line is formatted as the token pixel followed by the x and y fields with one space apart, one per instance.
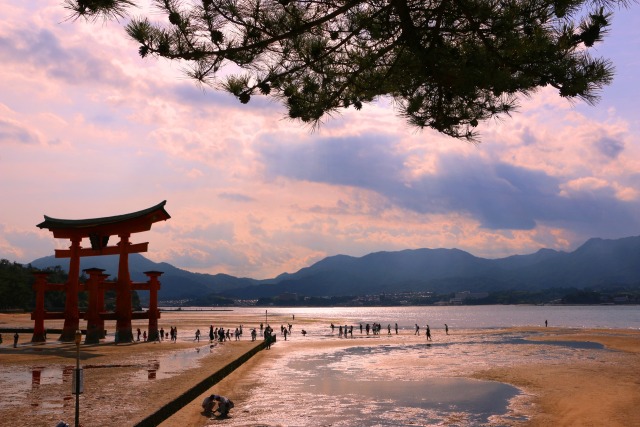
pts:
pixel 95 324
pixel 154 313
pixel 123 295
pixel 71 310
pixel 39 312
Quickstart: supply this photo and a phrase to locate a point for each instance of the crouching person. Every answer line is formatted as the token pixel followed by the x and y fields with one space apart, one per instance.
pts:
pixel 224 405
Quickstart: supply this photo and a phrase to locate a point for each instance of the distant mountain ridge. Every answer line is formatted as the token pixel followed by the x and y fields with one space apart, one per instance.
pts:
pixel 176 283
pixel 598 262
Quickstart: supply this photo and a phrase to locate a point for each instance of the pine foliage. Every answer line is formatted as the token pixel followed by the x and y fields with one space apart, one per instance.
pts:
pixel 446 64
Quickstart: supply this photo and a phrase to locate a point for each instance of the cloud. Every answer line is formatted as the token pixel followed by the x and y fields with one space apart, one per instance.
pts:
pixel 610 147
pixel 14 132
pixel 40 50
pixel 499 195
pixel 364 161
pixel 236 197
pixel 23 245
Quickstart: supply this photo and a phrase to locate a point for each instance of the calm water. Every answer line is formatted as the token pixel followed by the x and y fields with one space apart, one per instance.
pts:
pixel 468 317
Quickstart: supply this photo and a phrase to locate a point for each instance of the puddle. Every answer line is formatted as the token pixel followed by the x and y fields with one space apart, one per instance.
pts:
pixel 30 383
pixel 170 365
pixel 584 345
pixel 425 392
pixel 478 400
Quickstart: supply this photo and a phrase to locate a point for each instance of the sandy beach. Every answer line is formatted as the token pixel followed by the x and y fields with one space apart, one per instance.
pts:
pixel 604 390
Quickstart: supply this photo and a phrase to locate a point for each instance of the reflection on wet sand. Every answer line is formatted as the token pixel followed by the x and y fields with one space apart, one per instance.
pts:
pixel 30 383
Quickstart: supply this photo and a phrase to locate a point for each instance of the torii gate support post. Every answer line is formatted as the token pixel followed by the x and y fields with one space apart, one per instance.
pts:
pixel 71 311
pixel 94 332
pixel 154 313
pixel 39 312
pixel 101 291
pixel 123 294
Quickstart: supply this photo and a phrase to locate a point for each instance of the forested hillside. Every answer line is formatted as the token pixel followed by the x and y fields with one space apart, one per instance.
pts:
pixel 16 293
pixel 16 281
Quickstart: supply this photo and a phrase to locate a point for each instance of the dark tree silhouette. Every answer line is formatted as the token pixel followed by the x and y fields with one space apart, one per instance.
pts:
pixel 446 64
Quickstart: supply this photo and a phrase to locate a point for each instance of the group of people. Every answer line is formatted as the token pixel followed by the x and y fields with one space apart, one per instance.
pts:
pixel 286 330
pixel 224 405
pixel 427 331
pixel 162 335
pixel 144 335
pixel 375 328
pixel 220 334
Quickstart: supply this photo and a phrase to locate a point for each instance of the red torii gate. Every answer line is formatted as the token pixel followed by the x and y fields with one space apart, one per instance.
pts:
pixel 98 231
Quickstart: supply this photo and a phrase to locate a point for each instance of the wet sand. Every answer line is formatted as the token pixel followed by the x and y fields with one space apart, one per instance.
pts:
pixel 122 384
pixel 604 390
pixel 601 392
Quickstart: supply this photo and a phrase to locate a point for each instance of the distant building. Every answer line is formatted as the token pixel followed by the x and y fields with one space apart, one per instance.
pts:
pixel 621 299
pixel 286 296
pixel 461 297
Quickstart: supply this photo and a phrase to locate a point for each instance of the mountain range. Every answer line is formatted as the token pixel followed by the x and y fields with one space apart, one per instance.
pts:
pixel 598 262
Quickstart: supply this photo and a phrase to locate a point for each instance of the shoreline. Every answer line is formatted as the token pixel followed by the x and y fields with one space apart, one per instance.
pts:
pixel 602 391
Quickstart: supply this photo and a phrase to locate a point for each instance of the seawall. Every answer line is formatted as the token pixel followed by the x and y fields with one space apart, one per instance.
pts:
pixel 192 393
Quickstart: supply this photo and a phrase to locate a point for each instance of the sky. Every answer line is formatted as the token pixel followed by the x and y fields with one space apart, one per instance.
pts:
pixel 88 129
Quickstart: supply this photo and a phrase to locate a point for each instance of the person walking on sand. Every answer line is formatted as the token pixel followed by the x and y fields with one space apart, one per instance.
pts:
pixel 417 332
pixel 197 335
pixel 546 323
pixel 428 333
pixel 446 329
pixel 15 340
pixel 267 338
pixel 396 329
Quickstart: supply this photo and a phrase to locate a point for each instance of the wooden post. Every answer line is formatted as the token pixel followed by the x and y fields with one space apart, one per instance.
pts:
pixel 154 313
pixel 100 303
pixel 39 311
pixel 94 332
pixel 71 311
pixel 123 293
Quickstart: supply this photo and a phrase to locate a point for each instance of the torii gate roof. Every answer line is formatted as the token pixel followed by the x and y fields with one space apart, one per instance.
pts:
pixel 133 222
